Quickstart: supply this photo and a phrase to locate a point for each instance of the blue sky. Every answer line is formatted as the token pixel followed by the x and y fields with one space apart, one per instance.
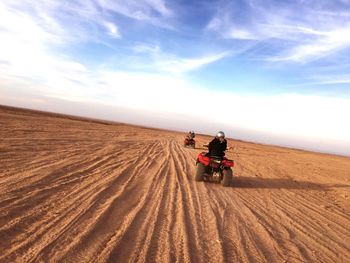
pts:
pixel 267 71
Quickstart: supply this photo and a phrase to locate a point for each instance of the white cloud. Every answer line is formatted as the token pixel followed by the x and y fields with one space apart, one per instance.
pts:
pixel 181 65
pixel 324 44
pixel 154 12
pixel 238 33
pixel 159 6
pixel 160 61
pixel 307 32
pixel 59 23
pixel 27 50
pixel 146 48
pixel 134 8
pixel 328 79
pixel 222 23
pixel 112 29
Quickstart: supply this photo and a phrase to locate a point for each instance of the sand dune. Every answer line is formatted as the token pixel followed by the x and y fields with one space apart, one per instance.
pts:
pixel 82 191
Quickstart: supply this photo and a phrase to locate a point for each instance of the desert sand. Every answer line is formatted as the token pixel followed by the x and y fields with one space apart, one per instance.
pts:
pixel 78 190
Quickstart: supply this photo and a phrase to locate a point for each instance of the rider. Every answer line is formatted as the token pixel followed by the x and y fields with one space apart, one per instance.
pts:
pixel 191 135
pixel 218 145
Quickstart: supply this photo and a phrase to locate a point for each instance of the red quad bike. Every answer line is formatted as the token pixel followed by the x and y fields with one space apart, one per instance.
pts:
pixel 190 143
pixel 214 168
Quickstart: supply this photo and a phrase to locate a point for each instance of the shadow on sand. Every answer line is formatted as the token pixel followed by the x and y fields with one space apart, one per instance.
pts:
pixel 280 183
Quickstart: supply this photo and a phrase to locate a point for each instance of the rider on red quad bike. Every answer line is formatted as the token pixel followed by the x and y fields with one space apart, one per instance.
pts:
pixel 191 135
pixel 213 166
pixel 189 140
pixel 218 145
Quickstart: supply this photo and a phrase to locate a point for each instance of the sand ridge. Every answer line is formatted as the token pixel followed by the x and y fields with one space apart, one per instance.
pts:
pixel 82 191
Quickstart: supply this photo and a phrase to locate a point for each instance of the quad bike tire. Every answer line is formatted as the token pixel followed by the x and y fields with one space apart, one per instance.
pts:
pixel 227 178
pixel 199 172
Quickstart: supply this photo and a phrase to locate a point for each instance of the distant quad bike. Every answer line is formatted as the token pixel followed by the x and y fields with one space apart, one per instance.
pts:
pixel 190 143
pixel 214 168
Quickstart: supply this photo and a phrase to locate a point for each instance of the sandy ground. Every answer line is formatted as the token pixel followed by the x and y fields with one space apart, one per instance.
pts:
pixel 83 191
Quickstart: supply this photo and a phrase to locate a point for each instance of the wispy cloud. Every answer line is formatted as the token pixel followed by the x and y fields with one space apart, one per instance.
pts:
pixel 113 30
pixel 323 44
pixel 154 12
pixel 146 48
pixel 32 36
pixel 159 6
pixel 161 61
pixel 27 46
pixel 138 9
pixel 79 21
pixel 54 23
pixel 329 79
pixel 182 65
pixel 308 31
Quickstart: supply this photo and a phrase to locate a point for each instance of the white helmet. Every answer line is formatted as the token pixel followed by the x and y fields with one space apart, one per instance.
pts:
pixel 220 134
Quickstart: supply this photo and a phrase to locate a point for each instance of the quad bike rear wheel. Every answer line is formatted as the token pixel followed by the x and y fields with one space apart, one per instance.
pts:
pixel 227 177
pixel 200 172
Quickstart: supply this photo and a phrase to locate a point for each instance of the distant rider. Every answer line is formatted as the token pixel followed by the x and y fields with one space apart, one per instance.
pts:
pixel 191 135
pixel 218 145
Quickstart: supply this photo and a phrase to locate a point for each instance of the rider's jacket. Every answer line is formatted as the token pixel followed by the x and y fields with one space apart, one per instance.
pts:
pixel 190 136
pixel 217 148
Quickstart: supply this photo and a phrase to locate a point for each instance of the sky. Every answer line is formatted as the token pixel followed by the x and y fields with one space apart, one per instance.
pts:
pixel 271 71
